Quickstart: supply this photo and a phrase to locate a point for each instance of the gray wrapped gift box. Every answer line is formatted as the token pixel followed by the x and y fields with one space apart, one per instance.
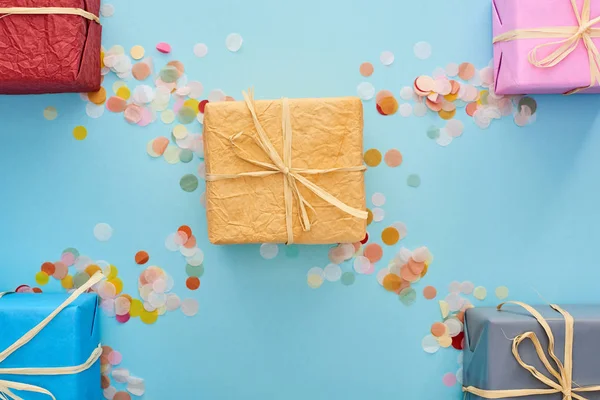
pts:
pixel 489 362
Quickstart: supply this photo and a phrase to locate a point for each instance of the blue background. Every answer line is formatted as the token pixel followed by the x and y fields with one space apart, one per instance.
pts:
pixel 505 206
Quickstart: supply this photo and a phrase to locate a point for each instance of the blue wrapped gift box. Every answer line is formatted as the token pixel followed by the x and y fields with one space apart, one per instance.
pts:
pixel 68 340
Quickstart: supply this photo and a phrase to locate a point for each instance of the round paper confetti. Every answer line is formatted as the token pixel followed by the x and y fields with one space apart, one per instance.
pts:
pixel 413 180
pixel 386 58
pixel 190 307
pixel 192 283
pixel 332 272
pixel 372 157
pixel 94 111
pixel 189 183
pixel 390 236
pixel 42 278
pixel 445 341
pixel 378 199
pixel 467 287
pixel 406 93
pixel 366 69
pixel 50 113
pixel 408 296
pixel 449 379
pixel 430 344
pixel 314 281
pixel 401 228
pixel 361 264
pixel 373 252
pixel 347 278
pixel 233 42
pixel 137 52
pixel 459 375
pixel 103 232
pixel 141 257
pixel 438 329
pixel 107 10
pixel 269 250
pixel 200 50
pixel 480 293
pixel 501 292
pixel 378 214
pixel 429 292
pixel 466 71
pixel 393 158
pixel 163 47
pixel 422 50
pixel 452 69
pixel 79 132
pixel 365 90
pixel 405 110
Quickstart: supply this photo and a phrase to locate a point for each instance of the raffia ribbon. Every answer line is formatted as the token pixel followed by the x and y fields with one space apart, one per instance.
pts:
pixel 291 176
pixel 564 376
pixel 49 11
pixel 7 386
pixel 571 34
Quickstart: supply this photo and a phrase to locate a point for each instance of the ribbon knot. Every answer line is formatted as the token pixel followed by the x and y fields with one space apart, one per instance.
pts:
pixel 292 176
pixel 563 373
pixel 584 31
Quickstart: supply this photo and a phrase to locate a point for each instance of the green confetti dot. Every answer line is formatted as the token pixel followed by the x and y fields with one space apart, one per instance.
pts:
pixel 413 180
pixel 186 115
pixel 186 156
pixel 189 183
pixel 433 132
pixel 408 296
pixel 169 74
pixel 198 271
pixel 71 250
pixel 80 279
pixel 292 251
pixel 347 278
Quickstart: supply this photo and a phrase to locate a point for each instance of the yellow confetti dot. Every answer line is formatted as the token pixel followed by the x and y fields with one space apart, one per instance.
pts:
pixel 447 114
pixel 451 97
pixel 444 308
pixel 167 116
pixel 192 103
pixel 102 59
pixel 180 131
pixel 480 293
pixel 111 272
pixel 118 284
pixel 67 282
pixel 92 269
pixel 501 292
pixel 137 52
pixel 390 236
pixel 425 270
pixel 369 216
pixel 79 132
pixel 372 157
pixel 445 341
pixel 50 113
pixel 148 317
pixel 123 92
pixel 314 281
pixel 137 308
pixel 42 278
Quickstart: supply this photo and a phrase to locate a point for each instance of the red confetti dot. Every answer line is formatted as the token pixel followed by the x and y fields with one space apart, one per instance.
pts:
pixel 458 342
pixel 202 105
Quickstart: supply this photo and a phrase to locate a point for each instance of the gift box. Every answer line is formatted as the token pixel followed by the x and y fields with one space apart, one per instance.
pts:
pixel 52 52
pixel 524 28
pixel 489 363
pixel 311 192
pixel 68 340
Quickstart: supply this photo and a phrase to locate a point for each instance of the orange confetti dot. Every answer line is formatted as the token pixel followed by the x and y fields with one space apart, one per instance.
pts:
pixel 366 69
pixel 191 242
pixel 471 108
pixel 461 316
pixel 390 236
pixel 429 292
pixel 372 157
pixel 373 252
pixel 185 229
pixel 438 329
pixel 122 396
pixel 36 290
pixel 98 97
pixel 388 105
pixel 392 282
pixel 159 145
pixel 116 104
pixel 178 65
pixel 118 284
pixel 104 381
pixel 141 257
pixel 141 71
pixel 48 268
pixel 466 71
pixel 128 297
pixel 393 158
pixel 92 269
pixel 192 283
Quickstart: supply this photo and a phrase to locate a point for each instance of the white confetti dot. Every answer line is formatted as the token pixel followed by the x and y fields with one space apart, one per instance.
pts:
pixel 439 73
pixel 216 95
pixel 467 287
pixel 361 264
pixel 173 302
pixel 190 307
pixel 452 69
pixel 405 109
pixel 332 272
pixel 103 231
pixel 378 214
pixel 401 228
pixel 386 58
pixel 316 271
pixel 107 10
pixel 196 89
pixel 365 91
pixel 233 42
pixel 406 93
pixel 94 110
pixel 420 110
pixel 269 250
pixel 381 274
pixel 422 50
pixel 136 386
pixel 378 199
pixel 120 374
pixel 200 50
pixel 196 259
pixel 109 392
pixel 459 375
pixel 444 139
pixel 455 128
pixel 455 302
pixel 430 344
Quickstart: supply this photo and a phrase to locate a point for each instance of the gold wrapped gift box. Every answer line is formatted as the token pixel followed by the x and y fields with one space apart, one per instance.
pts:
pixel 312 193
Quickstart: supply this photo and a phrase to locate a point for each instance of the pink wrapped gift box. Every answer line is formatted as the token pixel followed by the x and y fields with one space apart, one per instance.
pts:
pixel 513 72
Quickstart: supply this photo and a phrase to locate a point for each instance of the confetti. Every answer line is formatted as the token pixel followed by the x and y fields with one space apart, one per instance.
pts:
pixel 372 157
pixel 449 379
pixel 347 278
pixel 189 183
pixel 332 272
pixel 408 296
pixel 501 292
pixel 390 236
pixel 480 293
pixel 386 58
pixel 192 283
pixel 103 232
pixel 189 307
pixel 413 180
pixel 79 132
pixel 268 250
pixel 50 113
pixel 429 292
pixel 365 91
pixel 378 214
pixel 200 50
pixel 366 69
pixel 141 257
pixel 107 10
pixel 393 158
pixel 233 42
pixel 422 50
pixel 137 52
pixel 163 47
pixel 430 344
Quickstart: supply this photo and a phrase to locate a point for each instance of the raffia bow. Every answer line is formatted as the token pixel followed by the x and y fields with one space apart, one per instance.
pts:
pixel 48 11
pixel 584 31
pixel 291 175
pixel 7 387
pixel 564 376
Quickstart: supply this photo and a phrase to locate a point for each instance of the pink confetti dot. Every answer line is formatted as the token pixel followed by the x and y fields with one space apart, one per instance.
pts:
pixel 115 358
pixel 163 47
pixel 68 258
pixel 449 379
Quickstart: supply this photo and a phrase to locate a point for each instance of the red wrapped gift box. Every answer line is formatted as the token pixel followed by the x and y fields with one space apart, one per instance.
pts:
pixel 49 53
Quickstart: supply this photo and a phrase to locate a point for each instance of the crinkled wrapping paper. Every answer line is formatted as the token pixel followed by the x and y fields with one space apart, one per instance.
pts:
pixel 327 133
pixel 68 340
pixel 49 53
